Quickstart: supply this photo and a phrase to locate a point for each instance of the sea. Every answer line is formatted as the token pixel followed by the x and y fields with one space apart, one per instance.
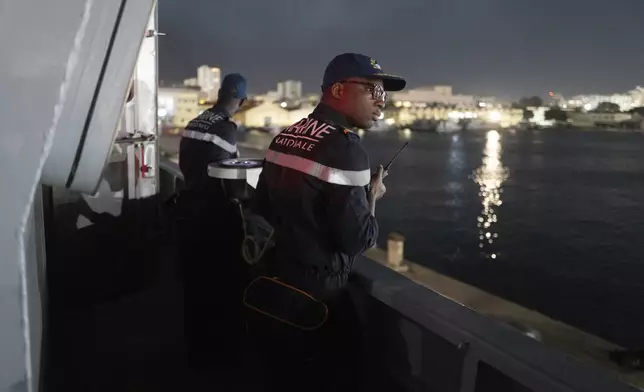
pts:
pixel 551 219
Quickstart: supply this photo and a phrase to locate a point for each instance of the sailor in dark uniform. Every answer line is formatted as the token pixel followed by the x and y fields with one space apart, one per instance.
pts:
pixel 209 231
pixel 319 194
pixel 212 136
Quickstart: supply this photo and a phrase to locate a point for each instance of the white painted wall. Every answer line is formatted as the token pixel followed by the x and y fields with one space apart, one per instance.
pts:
pixel 33 69
pixel 42 56
pixel 258 116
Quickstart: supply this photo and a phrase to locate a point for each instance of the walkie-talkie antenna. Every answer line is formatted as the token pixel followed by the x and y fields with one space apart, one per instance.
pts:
pixel 395 156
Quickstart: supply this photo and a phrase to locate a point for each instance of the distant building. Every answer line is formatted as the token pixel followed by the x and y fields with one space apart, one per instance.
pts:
pixel 190 82
pixel 591 101
pixel 581 119
pixel 626 101
pixel 271 115
pixel 271 96
pixel 556 99
pixel 433 95
pixel 312 99
pixel 209 79
pixel 288 95
pixel 405 116
pixel 263 115
pixel 177 106
pixel 301 112
pixel 290 90
pixel 490 102
pixel 637 96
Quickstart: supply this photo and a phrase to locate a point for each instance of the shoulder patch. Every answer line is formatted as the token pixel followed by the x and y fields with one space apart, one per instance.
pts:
pixel 351 135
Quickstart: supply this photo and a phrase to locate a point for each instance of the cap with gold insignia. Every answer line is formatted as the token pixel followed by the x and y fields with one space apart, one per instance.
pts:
pixel 354 65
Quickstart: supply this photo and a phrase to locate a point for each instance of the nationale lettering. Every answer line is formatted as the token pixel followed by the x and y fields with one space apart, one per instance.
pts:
pixel 294 143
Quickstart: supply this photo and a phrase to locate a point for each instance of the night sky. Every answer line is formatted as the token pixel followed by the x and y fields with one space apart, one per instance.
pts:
pixel 507 48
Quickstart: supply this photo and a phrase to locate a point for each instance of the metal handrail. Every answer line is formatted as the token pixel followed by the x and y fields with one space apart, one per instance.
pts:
pixel 170 166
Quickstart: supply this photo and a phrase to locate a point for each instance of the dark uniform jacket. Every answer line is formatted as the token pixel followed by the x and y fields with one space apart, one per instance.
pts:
pixel 313 192
pixel 208 138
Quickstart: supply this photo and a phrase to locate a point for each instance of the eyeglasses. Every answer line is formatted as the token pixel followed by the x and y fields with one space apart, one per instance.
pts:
pixel 378 93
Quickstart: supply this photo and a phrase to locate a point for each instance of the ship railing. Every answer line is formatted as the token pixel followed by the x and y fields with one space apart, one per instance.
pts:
pixel 428 332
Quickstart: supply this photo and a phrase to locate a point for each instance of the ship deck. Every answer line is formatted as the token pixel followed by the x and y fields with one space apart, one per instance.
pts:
pixel 132 343
pixel 441 335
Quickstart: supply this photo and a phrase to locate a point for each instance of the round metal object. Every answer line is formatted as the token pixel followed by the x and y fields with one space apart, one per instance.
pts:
pixel 235 169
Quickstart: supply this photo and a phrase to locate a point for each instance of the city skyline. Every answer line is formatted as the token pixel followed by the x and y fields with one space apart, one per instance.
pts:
pixel 487 47
pixel 622 98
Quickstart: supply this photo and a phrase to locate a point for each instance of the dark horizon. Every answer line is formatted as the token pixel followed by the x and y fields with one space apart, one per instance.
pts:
pixel 487 47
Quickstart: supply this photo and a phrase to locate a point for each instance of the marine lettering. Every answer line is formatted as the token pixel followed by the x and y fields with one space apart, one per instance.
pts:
pixel 322 130
pixel 304 134
pixel 305 126
pixel 210 117
pixel 309 127
pixel 204 121
pixel 295 128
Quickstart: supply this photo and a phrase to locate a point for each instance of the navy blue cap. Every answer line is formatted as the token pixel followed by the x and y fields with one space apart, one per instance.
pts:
pixel 233 86
pixel 354 65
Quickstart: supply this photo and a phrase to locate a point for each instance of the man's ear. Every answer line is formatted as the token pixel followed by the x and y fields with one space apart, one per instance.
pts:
pixel 336 90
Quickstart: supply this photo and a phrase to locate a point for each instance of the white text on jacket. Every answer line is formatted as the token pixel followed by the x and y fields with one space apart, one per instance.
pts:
pixel 304 134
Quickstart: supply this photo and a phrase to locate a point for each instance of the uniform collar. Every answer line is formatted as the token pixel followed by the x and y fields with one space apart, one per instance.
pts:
pixel 331 115
pixel 220 109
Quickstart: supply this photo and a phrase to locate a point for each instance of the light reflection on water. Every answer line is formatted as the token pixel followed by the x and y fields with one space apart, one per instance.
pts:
pixel 490 177
pixel 455 165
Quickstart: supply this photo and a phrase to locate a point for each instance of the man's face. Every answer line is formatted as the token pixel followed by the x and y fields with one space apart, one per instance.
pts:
pixel 363 100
